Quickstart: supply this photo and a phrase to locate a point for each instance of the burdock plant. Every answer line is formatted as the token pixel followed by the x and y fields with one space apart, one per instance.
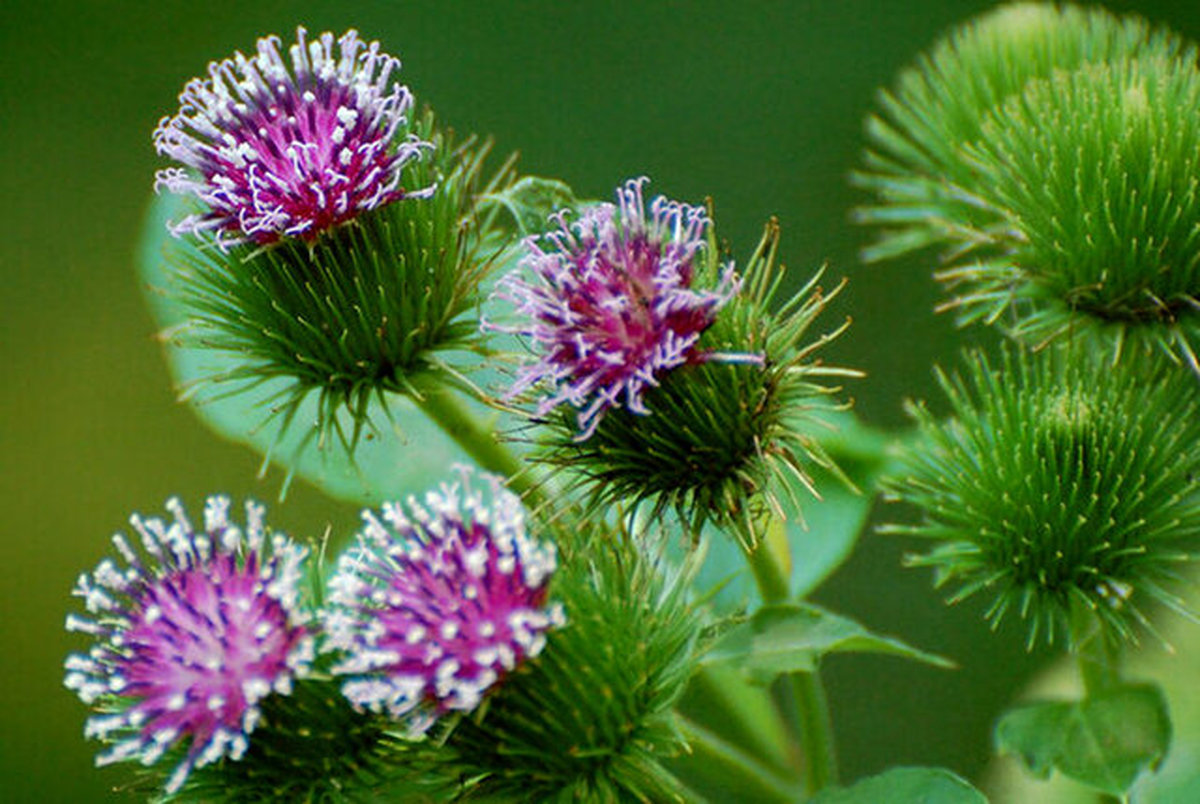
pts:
pixel 572 626
pixel 1060 489
pixel 1045 150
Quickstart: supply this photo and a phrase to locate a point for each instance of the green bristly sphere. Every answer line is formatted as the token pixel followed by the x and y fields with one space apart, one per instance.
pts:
pixel 926 188
pixel 591 718
pixel 1060 486
pixel 363 307
pixel 721 438
pixel 1096 173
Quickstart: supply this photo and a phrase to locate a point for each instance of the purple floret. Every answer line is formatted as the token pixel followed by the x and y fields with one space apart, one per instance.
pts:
pixel 608 305
pixel 276 149
pixel 189 637
pixel 438 601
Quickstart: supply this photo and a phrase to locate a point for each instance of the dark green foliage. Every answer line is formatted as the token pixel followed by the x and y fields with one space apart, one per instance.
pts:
pixel 311 746
pixel 1061 486
pixel 722 438
pixel 926 187
pixel 590 719
pixel 358 311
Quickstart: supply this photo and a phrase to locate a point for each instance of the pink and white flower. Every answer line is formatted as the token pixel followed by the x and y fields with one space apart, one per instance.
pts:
pixel 279 148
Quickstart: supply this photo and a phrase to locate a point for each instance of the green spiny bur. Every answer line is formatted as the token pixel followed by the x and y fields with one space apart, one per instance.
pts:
pixel 720 438
pixel 1060 486
pixel 353 314
pixel 591 717
pixel 1095 174
pixel 313 746
pixel 925 186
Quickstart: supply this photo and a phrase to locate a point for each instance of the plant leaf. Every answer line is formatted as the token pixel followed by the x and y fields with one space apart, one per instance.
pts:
pixel 793 637
pixel 905 786
pixel 531 200
pixel 832 525
pixel 1104 741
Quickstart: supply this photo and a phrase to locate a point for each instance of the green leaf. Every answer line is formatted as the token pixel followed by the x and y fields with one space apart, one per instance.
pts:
pixel 905 786
pixel 403 455
pixel 532 200
pixel 1104 741
pixel 793 637
pixel 826 538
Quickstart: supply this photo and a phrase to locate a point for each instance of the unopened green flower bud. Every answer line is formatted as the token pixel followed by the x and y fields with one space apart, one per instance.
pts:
pixel 926 188
pixel 1060 486
pixel 1093 173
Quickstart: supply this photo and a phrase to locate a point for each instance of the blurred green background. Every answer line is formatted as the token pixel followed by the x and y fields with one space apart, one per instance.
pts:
pixel 756 104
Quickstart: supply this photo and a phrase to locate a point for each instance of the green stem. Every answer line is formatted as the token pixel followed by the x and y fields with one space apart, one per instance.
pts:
pixel 731 767
pixel 773 582
pixel 1098 657
pixel 807 708
pixel 1099 665
pixel 816 730
pixel 720 700
pixel 442 405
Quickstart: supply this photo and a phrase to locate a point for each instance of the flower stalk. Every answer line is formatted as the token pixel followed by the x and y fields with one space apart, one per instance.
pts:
pixel 444 407
pixel 801 695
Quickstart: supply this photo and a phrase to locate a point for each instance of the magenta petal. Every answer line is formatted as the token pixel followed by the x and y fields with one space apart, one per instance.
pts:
pixel 277 147
pixel 438 602
pixel 190 640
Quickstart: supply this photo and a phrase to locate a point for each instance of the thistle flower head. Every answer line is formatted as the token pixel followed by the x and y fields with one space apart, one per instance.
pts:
pixel 349 318
pixel 926 188
pixel 609 303
pixel 1060 485
pixel 439 601
pixel 1093 173
pixel 191 635
pixel 276 147
pixel 728 429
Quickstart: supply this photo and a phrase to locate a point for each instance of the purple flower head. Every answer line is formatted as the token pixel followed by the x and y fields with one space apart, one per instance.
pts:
pixel 608 303
pixel 189 637
pixel 438 601
pixel 276 150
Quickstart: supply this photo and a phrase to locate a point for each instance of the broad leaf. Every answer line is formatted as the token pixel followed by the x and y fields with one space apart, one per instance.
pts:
pixel 793 637
pixel 905 786
pixel 1104 741
pixel 830 528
